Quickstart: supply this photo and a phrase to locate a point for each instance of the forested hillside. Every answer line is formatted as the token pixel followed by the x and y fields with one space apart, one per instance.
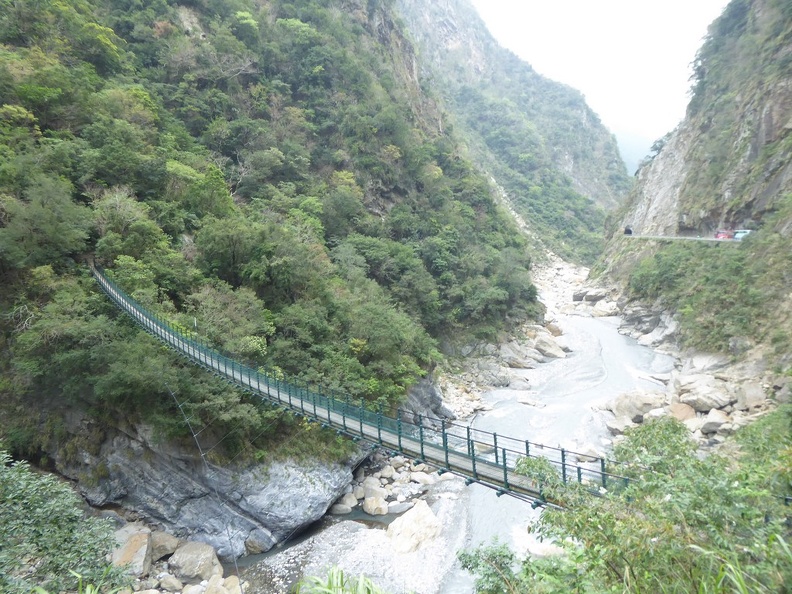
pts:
pixel 269 172
pixel 727 166
pixel 540 141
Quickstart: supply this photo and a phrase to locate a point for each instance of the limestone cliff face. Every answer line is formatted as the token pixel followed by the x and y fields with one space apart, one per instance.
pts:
pixel 730 161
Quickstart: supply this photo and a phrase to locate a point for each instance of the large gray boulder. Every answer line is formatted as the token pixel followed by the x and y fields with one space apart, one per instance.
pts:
pixel 414 529
pixel 546 344
pixel 195 561
pixel 134 549
pixel 634 405
pixel 703 392
pixel 236 509
pixel 425 401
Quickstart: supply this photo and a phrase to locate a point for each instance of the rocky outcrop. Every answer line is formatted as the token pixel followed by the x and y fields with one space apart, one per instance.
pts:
pixel 235 509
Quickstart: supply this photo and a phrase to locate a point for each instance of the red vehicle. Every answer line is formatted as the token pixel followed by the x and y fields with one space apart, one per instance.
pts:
pixel 724 234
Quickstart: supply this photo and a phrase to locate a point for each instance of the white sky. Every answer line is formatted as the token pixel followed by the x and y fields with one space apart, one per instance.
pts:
pixel 630 58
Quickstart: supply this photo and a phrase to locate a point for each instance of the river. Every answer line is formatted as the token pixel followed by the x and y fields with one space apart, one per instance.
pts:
pixel 564 397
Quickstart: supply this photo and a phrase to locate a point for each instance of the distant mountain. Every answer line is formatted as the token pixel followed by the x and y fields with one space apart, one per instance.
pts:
pixel 559 165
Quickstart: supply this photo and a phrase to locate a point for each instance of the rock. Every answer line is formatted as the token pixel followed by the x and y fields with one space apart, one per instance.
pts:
pixel 750 395
pixel 425 400
pixel 359 492
pixel 604 309
pixel 398 461
pixel 232 584
pixel 579 295
pixel 655 413
pixel 397 507
pixel 422 478
pixel 348 499
pixel 634 405
pixel 170 583
pixel 413 529
pixel 511 356
pixel 166 482
pixel 554 329
pixel 162 544
pixel 193 589
pixel 594 295
pixel 715 418
pixel 339 509
pixel 375 506
pixel 617 425
pixel 681 411
pixel 694 424
pixel 703 392
pixel 387 471
pixel 134 551
pixel 195 561
pixel 589 454
pixel 215 586
pixel 549 348
pixel 372 491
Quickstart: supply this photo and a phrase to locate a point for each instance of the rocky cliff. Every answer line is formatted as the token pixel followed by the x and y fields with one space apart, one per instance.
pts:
pixel 464 58
pixel 238 509
pixel 728 164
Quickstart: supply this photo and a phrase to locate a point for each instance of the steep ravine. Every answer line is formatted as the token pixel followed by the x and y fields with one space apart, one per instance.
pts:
pixel 558 402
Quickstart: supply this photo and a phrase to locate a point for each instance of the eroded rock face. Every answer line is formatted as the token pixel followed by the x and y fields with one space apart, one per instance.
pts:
pixel 235 509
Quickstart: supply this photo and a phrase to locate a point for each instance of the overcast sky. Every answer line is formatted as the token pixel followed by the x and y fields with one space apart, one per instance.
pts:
pixel 630 58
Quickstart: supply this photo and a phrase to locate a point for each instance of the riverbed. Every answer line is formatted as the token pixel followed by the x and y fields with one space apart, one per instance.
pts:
pixel 559 403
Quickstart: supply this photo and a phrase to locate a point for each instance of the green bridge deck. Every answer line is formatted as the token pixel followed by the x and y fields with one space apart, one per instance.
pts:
pixel 479 456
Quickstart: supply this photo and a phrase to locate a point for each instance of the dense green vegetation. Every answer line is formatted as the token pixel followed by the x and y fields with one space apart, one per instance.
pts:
pixel 685 523
pixel 46 536
pixel 722 291
pixel 264 172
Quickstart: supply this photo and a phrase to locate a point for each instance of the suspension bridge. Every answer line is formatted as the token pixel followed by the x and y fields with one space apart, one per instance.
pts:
pixel 478 456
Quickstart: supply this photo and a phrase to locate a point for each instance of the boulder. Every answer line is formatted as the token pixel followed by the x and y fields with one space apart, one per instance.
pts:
pixel 703 392
pixel 713 421
pixel 348 499
pixel 604 309
pixel 634 405
pixel 170 583
pixel 375 506
pixel 387 471
pixel 422 478
pixel 682 412
pixel 195 561
pixel 595 295
pixel 415 527
pixel 512 356
pixel 399 507
pixel 339 509
pixel 549 347
pixel 215 586
pixel 193 589
pixel 372 491
pixel 554 329
pixel 232 584
pixel 162 545
pixel 579 295
pixel 134 549
pixel 618 425
pixel 655 413
pixel 750 395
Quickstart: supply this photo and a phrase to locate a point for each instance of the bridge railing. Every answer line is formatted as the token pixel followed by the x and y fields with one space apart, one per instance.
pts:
pixel 428 439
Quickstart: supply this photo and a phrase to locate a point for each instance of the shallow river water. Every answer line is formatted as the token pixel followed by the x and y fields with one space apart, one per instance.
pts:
pixel 565 396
